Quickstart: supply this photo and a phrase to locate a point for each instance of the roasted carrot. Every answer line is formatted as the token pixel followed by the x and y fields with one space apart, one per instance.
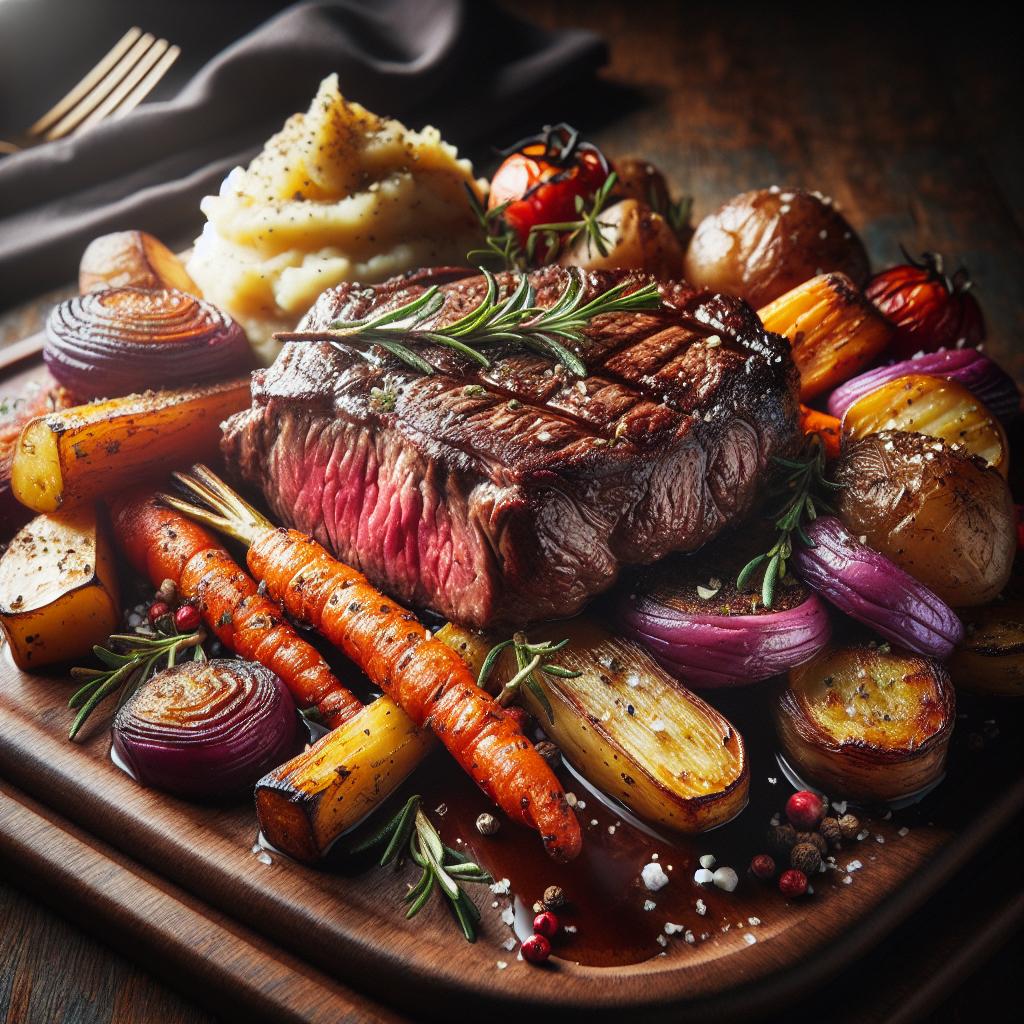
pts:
pixel 163 544
pixel 425 677
pixel 814 422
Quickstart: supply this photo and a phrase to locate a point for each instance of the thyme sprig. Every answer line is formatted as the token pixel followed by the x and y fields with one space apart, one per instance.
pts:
pixel 501 249
pixel 558 237
pixel 411 834
pixel 129 660
pixel 530 659
pixel 801 494
pixel 515 319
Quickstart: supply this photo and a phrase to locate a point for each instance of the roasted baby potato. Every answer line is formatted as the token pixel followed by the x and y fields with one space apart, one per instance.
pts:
pixel 639 179
pixel 933 406
pixel 68 458
pixel 637 239
pixel 937 512
pixel 629 728
pixel 833 331
pixel 991 658
pixel 309 801
pixel 867 722
pixel 132 259
pixel 761 244
pixel 58 589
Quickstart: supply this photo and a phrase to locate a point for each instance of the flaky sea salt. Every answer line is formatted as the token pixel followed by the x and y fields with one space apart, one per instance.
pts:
pixel 653 877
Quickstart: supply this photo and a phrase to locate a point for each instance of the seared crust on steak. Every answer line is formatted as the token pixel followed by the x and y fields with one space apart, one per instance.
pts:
pixel 513 494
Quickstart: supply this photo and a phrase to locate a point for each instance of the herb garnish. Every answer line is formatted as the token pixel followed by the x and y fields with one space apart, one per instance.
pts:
pixel 516 319
pixel 530 658
pixel 801 492
pixel 131 658
pixel 410 834
pixel 558 237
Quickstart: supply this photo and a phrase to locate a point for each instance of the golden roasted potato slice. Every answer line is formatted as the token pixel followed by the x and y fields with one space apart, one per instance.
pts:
pixel 132 259
pixel 58 589
pixel 867 722
pixel 629 728
pixel 309 801
pixel 72 457
pixel 991 658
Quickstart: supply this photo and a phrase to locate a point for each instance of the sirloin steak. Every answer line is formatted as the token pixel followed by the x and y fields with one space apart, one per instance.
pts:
pixel 512 494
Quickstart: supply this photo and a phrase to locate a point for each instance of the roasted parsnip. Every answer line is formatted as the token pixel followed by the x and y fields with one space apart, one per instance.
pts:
pixel 69 458
pixel 867 722
pixel 58 589
pixel 833 330
pixel 132 259
pixel 628 727
pixel 306 803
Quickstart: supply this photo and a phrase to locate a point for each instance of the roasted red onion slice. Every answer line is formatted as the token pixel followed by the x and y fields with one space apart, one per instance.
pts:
pixel 712 650
pixel 871 589
pixel 986 379
pixel 122 340
pixel 207 729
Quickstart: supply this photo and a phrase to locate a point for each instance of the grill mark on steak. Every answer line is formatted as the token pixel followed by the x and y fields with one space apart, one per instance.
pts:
pixel 490 513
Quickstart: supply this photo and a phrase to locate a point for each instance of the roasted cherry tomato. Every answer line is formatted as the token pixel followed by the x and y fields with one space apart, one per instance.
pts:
pixel 542 176
pixel 930 309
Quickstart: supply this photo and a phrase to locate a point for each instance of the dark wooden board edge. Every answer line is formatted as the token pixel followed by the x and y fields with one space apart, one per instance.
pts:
pixel 192 946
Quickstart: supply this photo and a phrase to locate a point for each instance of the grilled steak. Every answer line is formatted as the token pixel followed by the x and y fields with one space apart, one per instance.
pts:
pixel 515 493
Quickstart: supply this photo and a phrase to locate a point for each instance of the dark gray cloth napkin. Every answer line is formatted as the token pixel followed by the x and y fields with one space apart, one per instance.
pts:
pixel 463 66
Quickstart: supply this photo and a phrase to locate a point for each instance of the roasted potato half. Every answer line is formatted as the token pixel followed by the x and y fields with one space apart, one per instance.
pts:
pixel 630 728
pixel 132 259
pixel 306 803
pixel 761 244
pixel 867 722
pixel 58 589
pixel 72 457
pixel 991 658
pixel 936 511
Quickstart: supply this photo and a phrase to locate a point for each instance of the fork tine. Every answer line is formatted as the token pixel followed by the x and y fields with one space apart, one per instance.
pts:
pixel 148 84
pixel 99 93
pixel 127 84
pixel 63 105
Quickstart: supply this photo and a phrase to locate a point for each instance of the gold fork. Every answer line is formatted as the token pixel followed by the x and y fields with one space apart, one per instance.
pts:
pixel 116 85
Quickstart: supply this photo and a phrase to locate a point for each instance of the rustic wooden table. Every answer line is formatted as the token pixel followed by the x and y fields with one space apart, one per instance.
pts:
pixel 909 120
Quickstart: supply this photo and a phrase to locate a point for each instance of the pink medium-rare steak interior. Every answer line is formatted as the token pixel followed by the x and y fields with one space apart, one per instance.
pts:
pixel 513 494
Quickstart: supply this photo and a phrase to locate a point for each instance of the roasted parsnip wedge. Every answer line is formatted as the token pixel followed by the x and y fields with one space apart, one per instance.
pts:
pixel 132 259
pixel 58 589
pixel 867 722
pixel 991 658
pixel 72 457
pixel 309 801
pixel 629 727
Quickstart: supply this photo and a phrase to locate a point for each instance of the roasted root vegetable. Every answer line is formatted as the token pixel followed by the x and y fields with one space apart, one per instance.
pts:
pixel 834 332
pixel 937 512
pixel 68 458
pixel 628 727
pixel 761 244
pixel 867 722
pixel 58 589
pixel 132 259
pixel 163 544
pixel 306 803
pixel 426 678
pixel 828 428
pixel 990 660
pixel 932 406
pixel 634 237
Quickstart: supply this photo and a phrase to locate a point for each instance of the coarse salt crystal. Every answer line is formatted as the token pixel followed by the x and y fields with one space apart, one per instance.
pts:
pixel 570 928
pixel 544 435
pixel 508 916
pixel 501 887
pixel 662 941
pixel 753 921
pixel 839 806
pixel 847 880
pixel 689 937
pixel 862 834
pixel 649 904
pixel 707 861
pixel 501 964
pixel 672 929
pixel 879 839
pixel 509 944
pixel 726 879
pixel 570 799
pixel 903 831
pixel 854 865
pixel 702 907
pixel 653 876
pixel 703 877
pixel 749 939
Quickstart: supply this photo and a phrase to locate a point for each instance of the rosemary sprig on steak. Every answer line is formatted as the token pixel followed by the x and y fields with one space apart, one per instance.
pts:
pixel 516 320
pixel 800 492
pixel 410 834
pixel 530 658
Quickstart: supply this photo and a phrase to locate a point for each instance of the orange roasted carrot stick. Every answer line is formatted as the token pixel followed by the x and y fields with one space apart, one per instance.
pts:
pixel 163 544
pixel 830 429
pixel 425 677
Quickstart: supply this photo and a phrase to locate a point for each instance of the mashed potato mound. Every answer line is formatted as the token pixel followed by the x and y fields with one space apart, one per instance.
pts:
pixel 339 194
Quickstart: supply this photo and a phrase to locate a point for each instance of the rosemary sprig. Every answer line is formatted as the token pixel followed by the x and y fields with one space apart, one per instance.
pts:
pixel 410 834
pixel 558 237
pixel 530 659
pixel 129 660
pixel 501 249
pixel 801 492
pixel 515 319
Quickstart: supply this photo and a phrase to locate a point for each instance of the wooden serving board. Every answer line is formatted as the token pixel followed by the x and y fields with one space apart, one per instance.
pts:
pixel 340 928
